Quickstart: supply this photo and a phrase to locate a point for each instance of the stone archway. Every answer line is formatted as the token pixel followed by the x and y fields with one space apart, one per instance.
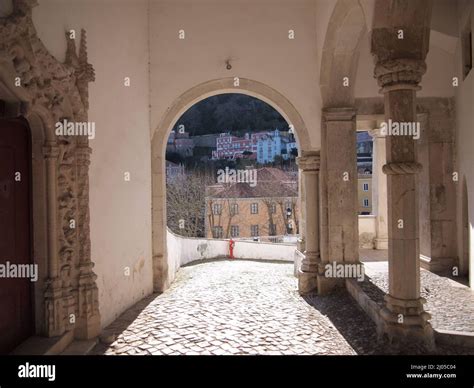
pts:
pixel 163 268
pixel 340 57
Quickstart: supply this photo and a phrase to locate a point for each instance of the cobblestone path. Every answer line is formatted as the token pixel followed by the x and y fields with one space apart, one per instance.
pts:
pixel 240 307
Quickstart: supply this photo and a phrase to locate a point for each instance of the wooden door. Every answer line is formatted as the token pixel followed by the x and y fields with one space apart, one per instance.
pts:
pixel 16 309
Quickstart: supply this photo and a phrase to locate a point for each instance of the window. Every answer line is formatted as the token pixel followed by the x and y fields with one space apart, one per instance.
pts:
pixel 254 208
pixel 366 187
pixel 466 42
pixel 273 208
pixel 254 230
pixel 272 229
pixel 217 232
pixel 217 209
pixel 366 202
pixel 234 231
pixel 234 209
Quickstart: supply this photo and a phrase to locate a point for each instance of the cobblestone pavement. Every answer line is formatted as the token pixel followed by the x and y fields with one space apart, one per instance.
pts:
pixel 450 303
pixel 240 307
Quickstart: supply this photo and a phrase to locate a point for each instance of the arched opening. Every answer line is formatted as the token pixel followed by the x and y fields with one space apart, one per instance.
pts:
pixel 231 172
pixel 164 268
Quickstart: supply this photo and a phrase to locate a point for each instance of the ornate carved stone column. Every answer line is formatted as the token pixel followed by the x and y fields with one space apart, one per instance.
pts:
pixel 379 191
pixel 403 315
pixel 307 274
pixel 88 320
pixel 53 290
pixel 50 92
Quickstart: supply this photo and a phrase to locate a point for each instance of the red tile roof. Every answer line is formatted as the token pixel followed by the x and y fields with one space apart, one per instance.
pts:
pixel 270 182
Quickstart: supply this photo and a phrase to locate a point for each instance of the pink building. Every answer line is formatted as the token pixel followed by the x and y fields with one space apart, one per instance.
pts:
pixel 233 147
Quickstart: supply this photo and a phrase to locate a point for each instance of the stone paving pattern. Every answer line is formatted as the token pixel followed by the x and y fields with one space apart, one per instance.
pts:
pixel 450 303
pixel 241 307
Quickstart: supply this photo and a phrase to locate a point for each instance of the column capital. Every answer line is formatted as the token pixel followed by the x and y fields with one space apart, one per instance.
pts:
pixel 339 114
pixel 376 133
pixel 401 73
pixel 309 161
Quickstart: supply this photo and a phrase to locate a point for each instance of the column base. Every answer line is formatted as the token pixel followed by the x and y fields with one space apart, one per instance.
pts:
pixel 438 265
pixel 381 243
pixel 328 285
pixel 54 308
pixel 300 244
pixel 405 325
pixel 299 256
pixel 307 282
pixel 88 328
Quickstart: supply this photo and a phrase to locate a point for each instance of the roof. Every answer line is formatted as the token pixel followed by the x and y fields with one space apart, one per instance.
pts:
pixel 270 182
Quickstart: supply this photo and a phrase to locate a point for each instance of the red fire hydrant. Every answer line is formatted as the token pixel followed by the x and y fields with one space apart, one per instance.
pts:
pixel 231 248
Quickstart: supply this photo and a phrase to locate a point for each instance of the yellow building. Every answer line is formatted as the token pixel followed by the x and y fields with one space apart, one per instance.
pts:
pixel 364 193
pixel 241 210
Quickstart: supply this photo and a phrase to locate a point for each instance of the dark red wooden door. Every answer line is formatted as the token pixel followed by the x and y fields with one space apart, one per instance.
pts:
pixel 16 312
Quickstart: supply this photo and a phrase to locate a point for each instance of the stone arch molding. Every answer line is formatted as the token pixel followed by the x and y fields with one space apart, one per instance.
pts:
pixel 45 91
pixel 163 269
pixel 340 57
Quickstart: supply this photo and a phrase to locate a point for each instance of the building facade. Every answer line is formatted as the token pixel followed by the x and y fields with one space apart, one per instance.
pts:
pixel 181 143
pixel 238 210
pixel 262 146
pixel 364 194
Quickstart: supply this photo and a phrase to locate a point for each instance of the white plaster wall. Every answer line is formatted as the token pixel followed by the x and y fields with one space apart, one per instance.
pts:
pixel 465 138
pixel 184 250
pixel 252 34
pixel 264 251
pixel 120 211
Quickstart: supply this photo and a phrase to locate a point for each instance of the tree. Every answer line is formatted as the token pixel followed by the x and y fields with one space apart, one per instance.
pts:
pixel 271 205
pixel 185 204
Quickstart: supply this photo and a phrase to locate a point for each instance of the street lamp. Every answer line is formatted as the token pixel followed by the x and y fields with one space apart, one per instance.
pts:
pixel 289 227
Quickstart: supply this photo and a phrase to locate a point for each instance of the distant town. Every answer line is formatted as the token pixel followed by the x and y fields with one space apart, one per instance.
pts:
pixel 262 147
pixel 207 198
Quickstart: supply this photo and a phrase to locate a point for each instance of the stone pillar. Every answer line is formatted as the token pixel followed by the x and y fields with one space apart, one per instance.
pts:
pixel 379 189
pixel 404 319
pixel 301 200
pixel 438 212
pixel 339 202
pixel 88 320
pixel 53 310
pixel 307 274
